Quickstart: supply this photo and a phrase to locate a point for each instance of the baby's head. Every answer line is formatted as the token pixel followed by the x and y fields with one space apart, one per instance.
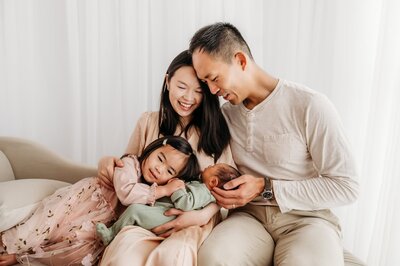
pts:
pixel 219 174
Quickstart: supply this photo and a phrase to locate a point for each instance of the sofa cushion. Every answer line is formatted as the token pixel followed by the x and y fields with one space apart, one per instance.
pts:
pixel 6 172
pixel 20 198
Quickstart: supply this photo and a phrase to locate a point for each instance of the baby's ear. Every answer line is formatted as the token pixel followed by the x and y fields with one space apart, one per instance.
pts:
pixel 213 181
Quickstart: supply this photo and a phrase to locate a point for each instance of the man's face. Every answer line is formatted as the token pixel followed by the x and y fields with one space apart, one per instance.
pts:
pixel 222 78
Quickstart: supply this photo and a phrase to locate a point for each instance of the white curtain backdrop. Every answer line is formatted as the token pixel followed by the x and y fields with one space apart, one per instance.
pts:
pixel 75 76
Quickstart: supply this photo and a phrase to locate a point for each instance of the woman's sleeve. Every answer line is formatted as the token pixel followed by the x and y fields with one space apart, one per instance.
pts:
pixel 128 186
pixel 138 138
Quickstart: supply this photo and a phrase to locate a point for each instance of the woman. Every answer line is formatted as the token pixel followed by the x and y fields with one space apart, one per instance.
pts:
pixel 187 109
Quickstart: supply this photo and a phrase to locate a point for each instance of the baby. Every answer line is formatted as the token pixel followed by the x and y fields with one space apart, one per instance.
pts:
pixel 196 195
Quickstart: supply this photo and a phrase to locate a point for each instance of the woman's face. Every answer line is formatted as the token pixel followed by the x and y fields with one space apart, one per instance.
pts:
pixel 185 93
pixel 163 164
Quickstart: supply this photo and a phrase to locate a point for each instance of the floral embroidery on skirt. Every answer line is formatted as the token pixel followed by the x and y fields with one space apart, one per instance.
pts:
pixel 62 229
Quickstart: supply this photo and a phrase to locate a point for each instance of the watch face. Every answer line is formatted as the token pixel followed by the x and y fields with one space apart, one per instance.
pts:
pixel 267 194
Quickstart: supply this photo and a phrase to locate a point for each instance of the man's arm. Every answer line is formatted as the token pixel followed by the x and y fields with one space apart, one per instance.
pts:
pixel 336 184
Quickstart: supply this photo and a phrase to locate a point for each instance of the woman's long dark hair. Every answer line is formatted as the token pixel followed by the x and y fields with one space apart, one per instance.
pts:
pixel 214 135
pixel 192 169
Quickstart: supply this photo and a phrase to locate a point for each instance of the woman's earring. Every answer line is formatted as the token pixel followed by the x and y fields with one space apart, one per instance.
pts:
pixel 166 82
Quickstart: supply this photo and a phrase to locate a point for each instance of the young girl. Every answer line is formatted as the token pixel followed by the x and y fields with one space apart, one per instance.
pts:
pixel 195 194
pixel 62 230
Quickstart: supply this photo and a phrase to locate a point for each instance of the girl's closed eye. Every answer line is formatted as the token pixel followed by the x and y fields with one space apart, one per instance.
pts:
pixel 171 172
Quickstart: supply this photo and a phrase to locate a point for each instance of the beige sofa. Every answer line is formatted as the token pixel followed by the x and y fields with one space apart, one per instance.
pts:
pixel 29 172
pixel 22 159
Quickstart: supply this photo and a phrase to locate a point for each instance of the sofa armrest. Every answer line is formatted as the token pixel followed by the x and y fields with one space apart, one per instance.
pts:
pixel 6 172
pixel 32 160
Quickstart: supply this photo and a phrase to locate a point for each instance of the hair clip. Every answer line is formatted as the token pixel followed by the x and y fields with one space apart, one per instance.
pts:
pixel 164 142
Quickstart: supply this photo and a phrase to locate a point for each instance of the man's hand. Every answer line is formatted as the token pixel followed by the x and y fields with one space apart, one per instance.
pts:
pixel 239 191
pixel 105 170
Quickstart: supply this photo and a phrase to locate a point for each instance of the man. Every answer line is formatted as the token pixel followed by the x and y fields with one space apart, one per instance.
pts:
pixel 289 142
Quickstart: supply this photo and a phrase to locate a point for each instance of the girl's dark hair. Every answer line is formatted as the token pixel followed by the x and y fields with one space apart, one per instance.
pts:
pixel 208 119
pixel 192 169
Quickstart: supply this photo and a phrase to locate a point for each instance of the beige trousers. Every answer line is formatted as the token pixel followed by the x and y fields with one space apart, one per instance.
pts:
pixel 134 245
pixel 262 235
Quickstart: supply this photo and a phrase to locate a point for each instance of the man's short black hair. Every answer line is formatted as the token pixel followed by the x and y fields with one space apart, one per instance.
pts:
pixel 221 40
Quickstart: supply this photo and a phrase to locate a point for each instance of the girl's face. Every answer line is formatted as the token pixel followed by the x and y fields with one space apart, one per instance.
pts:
pixel 163 164
pixel 185 93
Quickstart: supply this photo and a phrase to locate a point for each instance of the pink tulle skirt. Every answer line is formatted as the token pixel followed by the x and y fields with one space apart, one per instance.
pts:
pixel 62 229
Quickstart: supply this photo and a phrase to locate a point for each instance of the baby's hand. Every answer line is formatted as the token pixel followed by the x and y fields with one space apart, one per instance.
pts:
pixel 173 185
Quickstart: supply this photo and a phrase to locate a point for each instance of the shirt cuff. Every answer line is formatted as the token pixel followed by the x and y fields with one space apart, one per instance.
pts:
pixel 277 195
pixel 152 195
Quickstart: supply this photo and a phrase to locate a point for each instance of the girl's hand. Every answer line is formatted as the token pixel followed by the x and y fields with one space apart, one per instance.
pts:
pixel 186 219
pixel 105 170
pixel 173 185
pixel 166 190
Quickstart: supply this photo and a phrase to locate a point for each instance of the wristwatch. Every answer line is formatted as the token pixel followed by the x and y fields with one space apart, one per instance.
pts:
pixel 267 194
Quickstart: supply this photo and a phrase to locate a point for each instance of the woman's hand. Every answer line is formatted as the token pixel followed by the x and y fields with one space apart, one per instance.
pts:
pixel 105 170
pixel 186 219
pixel 247 188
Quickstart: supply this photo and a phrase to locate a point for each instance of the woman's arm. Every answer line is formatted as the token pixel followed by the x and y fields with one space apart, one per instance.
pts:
pixel 186 219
